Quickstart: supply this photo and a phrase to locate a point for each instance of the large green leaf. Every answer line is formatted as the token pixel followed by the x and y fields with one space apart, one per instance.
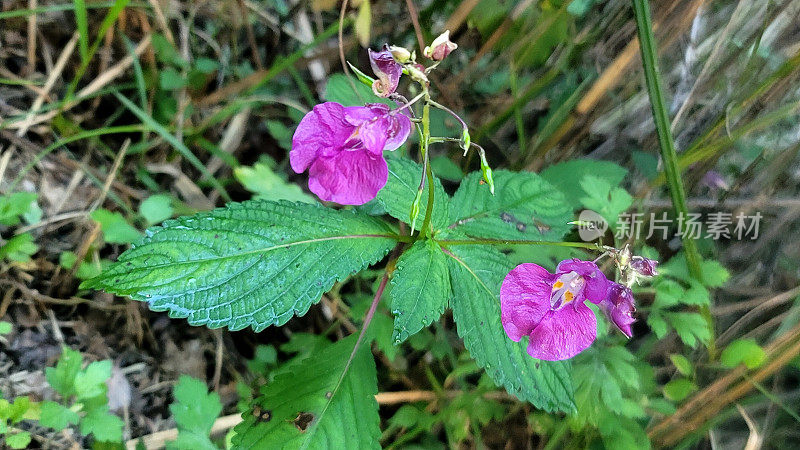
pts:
pixel 420 289
pixel 476 275
pixel 401 188
pixel 567 176
pixel 302 407
pixel 524 207
pixel 255 263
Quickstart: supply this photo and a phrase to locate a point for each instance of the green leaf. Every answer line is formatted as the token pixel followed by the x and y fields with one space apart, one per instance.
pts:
pixel 420 289
pixel 524 206
pixel 401 188
pixel 19 248
pixel 745 351
pixel 690 327
pixel 302 407
pixel 57 417
pixel 682 364
pixel 340 90
pixel 116 230
pixel 255 263
pixel 476 273
pixel 567 176
pixel 157 208
pixel 267 185
pixel 194 411
pixel 105 427
pixel 606 200
pixel 91 381
pixel 5 327
pixel 678 389
pixel 13 206
pixel 62 376
pixel 444 168
pixel 170 79
pixel 18 440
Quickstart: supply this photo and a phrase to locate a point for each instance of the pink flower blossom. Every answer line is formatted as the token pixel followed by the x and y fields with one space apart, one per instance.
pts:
pixel 549 308
pixel 342 149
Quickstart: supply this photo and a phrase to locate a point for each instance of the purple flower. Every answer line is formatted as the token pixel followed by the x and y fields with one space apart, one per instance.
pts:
pixel 386 69
pixel 342 148
pixel 644 266
pixel 549 308
pixel 619 307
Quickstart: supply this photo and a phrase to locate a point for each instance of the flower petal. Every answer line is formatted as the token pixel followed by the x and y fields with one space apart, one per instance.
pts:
pixel 375 133
pixel 525 299
pixel 351 177
pixel 323 129
pixel 563 334
pixel 399 130
pixel 596 282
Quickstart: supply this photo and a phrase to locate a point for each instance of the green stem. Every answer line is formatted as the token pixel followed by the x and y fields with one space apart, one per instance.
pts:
pixel 489 241
pixel 644 25
pixel 424 144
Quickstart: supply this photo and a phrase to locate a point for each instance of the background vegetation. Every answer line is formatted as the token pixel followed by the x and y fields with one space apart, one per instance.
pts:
pixel 115 116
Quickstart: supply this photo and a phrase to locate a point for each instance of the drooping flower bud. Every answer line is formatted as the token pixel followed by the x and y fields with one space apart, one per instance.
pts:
pixel 387 70
pixel 644 266
pixel 400 54
pixel 440 47
pixel 619 307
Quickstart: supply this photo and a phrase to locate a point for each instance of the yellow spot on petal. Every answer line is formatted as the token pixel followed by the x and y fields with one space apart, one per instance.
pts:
pixel 568 297
pixel 558 285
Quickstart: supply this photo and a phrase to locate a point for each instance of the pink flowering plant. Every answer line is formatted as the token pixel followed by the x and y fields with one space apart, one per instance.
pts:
pixel 260 263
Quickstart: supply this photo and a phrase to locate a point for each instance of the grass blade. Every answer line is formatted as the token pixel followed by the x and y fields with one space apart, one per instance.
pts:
pixel 83 29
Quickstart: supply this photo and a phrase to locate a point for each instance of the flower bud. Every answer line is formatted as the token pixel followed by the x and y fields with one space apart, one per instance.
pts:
pixel 619 307
pixel 400 54
pixel 415 210
pixel 387 70
pixel 440 47
pixel 644 266
pixel 487 172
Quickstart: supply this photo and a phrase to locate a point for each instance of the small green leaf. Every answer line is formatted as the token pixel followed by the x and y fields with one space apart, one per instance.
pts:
pixel 194 411
pixel 56 416
pixel 255 263
pixel 13 206
pixel 5 327
pixel 157 208
pixel 91 381
pixel 420 289
pixel 302 407
pixel 105 427
pixel 606 200
pixel 678 389
pixel 62 376
pixel 116 230
pixel 18 440
pixel 691 327
pixel 745 351
pixel 170 79
pixel 267 185
pixel 567 176
pixel 19 248
pixel 476 273
pixel 682 364
pixel 398 195
pixel 524 207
